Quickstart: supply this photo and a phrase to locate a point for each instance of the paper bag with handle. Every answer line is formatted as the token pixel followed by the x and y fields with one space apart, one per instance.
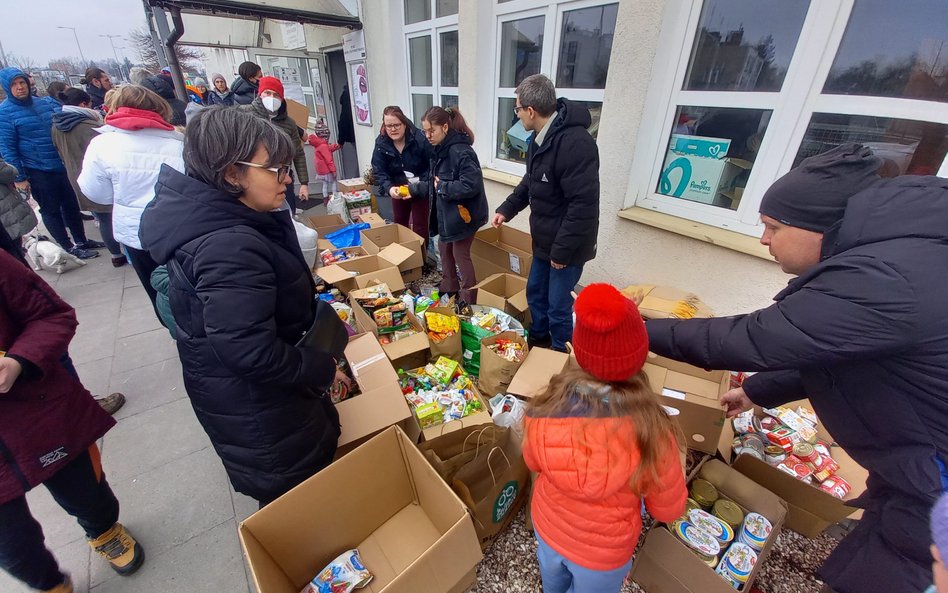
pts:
pixel 448 452
pixel 493 485
pixel 441 344
pixel 496 372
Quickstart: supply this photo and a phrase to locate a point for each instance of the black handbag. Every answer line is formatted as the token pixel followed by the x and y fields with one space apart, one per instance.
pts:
pixel 327 334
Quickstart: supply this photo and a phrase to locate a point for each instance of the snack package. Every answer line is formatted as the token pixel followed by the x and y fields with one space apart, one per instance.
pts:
pixel 429 415
pixel 344 312
pixel 343 575
pixel 442 324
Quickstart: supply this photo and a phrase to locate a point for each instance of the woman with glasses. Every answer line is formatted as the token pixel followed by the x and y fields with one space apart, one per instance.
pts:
pixel 458 203
pixel 242 297
pixel 121 164
pixel 401 151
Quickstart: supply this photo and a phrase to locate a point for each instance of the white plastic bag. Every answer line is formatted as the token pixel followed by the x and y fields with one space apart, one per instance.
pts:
pixel 508 411
pixel 307 238
pixel 337 205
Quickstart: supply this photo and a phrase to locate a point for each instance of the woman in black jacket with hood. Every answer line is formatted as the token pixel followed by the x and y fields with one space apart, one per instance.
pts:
pixel 458 202
pixel 242 297
pixel 401 148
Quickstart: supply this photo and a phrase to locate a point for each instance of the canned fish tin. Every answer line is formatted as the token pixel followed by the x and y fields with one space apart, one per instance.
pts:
pixel 748 451
pixel 729 512
pixel 699 541
pixel 836 486
pixel 704 493
pixel 691 504
pixel 806 453
pixel 739 561
pixel 716 527
pixel 725 574
pixel 774 455
pixel 753 441
pixel 755 531
pixel 746 423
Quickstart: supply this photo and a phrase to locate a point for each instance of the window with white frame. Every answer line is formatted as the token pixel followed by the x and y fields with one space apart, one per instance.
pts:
pixel 431 40
pixel 570 42
pixel 756 86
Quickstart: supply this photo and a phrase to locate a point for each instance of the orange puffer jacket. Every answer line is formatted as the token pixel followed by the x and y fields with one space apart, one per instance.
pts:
pixel 583 504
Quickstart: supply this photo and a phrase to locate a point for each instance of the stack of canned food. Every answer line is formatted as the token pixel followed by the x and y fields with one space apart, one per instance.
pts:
pixel 787 440
pixel 717 530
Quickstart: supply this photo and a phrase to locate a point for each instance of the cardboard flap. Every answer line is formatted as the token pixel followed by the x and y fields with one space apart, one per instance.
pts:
pixel 519 301
pixel 334 274
pixel 396 254
pixel 537 369
pixel 372 219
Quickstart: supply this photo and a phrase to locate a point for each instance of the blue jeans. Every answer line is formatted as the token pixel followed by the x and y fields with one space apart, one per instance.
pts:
pixel 560 575
pixel 551 305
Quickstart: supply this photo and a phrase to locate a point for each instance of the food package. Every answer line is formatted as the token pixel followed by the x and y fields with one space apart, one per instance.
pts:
pixel 343 575
pixel 344 312
pixel 442 385
pixel 509 350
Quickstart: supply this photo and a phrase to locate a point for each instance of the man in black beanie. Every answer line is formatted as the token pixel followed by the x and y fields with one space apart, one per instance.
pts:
pixel 863 332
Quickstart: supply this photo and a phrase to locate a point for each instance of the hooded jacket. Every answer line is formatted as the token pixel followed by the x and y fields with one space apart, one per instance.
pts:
pixel 97 94
pixel 121 166
pixel 16 215
pixel 323 155
pixel 389 165
pixel 215 97
pixel 583 504
pixel 561 187
pixel 25 140
pixel 246 298
pixel 47 419
pixel 459 203
pixel 864 335
pixel 286 123
pixel 72 132
pixel 244 91
pixel 164 86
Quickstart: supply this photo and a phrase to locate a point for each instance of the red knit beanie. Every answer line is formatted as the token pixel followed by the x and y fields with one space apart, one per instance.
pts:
pixel 609 339
pixel 270 83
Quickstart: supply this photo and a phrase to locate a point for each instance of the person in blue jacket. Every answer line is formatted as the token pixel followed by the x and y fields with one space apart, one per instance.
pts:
pixel 26 142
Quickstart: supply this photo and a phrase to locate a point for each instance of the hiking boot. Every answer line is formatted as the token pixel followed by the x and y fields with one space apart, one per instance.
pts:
pixel 90 244
pixel 82 253
pixel 111 403
pixel 118 261
pixel 118 546
pixel 64 587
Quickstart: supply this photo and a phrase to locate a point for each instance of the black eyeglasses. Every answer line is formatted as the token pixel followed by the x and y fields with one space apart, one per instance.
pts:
pixel 516 110
pixel 282 173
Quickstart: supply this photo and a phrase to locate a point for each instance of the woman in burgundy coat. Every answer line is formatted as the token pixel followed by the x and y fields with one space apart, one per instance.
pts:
pixel 49 424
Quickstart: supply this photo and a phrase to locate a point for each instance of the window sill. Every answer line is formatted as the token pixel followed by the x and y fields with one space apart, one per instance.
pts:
pixel 696 230
pixel 502 177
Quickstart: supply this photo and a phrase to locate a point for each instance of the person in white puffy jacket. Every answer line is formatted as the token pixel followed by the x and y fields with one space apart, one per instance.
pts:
pixel 121 167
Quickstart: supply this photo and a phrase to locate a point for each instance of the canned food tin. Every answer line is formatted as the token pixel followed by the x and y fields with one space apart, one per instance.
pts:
pixel 822 448
pixel 774 455
pixel 753 441
pixel 729 512
pixel 748 451
pixel 740 560
pixel 721 531
pixel 704 493
pixel 836 486
pixel 725 574
pixel 755 531
pixel 701 542
pixel 744 424
pixel 806 452
pixel 691 504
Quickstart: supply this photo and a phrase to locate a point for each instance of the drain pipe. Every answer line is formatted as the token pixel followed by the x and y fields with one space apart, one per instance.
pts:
pixel 176 33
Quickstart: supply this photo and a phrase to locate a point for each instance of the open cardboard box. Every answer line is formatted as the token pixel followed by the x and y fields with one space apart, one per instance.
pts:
pixel 352 184
pixel 666 565
pixel 482 417
pixel 413 533
pixel 506 292
pixel 500 251
pixel 324 223
pixel 380 403
pixel 811 509
pixel 396 234
pixel 692 391
pixel 365 250
pixel 408 353
pixel 362 272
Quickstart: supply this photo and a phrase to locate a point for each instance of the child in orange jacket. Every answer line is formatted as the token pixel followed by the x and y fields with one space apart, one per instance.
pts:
pixel 325 166
pixel 601 443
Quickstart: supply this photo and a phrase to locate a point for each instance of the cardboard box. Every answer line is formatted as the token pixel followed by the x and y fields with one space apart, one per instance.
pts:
pixel 694 392
pixel 352 184
pixel 500 251
pixel 298 112
pixel 381 403
pixel 482 417
pixel 540 365
pixel 666 565
pixel 354 252
pixel 811 509
pixel 697 168
pixel 405 353
pixel 413 533
pixel 507 292
pixel 373 219
pixel 665 302
pixel 362 272
pixel 396 234
pixel 324 223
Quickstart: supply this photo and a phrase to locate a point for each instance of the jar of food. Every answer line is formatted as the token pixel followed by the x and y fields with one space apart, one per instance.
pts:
pixel 729 512
pixel 704 493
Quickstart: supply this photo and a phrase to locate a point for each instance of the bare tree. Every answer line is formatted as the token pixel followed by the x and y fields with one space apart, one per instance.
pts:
pixel 66 65
pixel 24 63
pixel 189 57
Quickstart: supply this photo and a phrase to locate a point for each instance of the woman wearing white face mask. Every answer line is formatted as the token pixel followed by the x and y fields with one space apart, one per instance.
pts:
pixel 270 105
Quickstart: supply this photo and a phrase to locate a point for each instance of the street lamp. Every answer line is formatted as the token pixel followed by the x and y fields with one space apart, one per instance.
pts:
pixel 77 42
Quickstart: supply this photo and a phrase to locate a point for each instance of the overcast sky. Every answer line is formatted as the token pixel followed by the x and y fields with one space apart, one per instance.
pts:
pixel 32 30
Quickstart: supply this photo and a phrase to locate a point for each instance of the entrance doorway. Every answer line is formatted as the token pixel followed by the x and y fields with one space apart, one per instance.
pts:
pixel 348 156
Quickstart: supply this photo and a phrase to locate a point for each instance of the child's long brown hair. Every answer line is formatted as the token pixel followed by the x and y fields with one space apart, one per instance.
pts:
pixel 576 393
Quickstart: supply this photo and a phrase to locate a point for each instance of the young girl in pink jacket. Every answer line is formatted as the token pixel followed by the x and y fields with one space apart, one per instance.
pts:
pixel 325 167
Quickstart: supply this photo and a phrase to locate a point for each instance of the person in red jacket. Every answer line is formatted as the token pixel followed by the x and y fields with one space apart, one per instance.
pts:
pixel 325 167
pixel 49 424
pixel 601 443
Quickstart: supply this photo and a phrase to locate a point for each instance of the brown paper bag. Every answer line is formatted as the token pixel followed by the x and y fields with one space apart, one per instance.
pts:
pixel 450 451
pixel 493 485
pixel 449 347
pixel 496 373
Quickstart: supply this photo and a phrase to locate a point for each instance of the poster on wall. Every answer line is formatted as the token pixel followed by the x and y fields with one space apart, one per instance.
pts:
pixel 360 94
pixel 292 84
